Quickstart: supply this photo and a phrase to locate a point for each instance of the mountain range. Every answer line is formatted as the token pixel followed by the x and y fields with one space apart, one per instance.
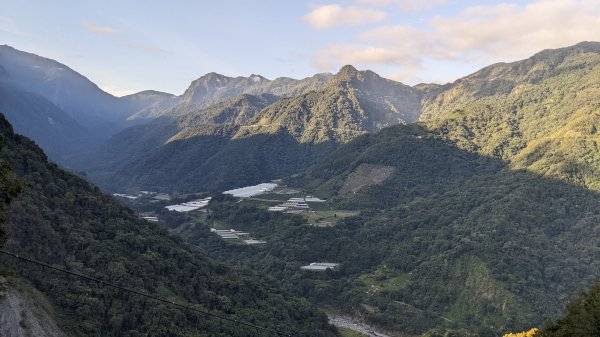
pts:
pixel 275 136
pixel 311 116
pixel 502 169
pixel 475 203
pixel 479 219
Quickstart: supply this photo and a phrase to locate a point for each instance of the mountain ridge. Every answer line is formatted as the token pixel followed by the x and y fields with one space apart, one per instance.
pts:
pixel 307 126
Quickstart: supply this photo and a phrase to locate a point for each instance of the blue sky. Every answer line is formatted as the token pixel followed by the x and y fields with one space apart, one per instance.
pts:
pixel 129 46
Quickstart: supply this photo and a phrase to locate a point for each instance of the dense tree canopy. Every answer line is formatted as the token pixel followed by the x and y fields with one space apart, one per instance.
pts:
pixel 64 221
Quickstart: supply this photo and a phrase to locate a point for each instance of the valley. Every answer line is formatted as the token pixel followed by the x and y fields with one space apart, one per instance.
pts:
pixel 465 209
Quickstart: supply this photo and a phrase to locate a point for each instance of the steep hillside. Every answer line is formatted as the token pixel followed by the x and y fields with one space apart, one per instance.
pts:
pixel 178 155
pixel 25 312
pixel 541 114
pixel 422 164
pixel 53 129
pixel 451 239
pixel 140 143
pixel 64 221
pixel 239 110
pixel 351 103
pixel 61 109
pixel 582 317
pixel 490 205
pixel 64 87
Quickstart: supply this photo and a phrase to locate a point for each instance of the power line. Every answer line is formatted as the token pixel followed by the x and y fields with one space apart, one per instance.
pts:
pixel 225 318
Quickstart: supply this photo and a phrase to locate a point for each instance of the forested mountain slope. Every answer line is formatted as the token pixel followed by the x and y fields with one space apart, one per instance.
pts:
pixel 250 138
pixel 451 239
pixel 541 114
pixel 148 103
pixel 67 89
pixel 196 152
pixel 63 111
pixel 64 221
pixel 492 207
pixel 351 103
pixel 53 129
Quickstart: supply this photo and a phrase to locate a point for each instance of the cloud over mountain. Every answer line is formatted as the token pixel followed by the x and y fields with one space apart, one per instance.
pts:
pixel 481 34
pixel 330 16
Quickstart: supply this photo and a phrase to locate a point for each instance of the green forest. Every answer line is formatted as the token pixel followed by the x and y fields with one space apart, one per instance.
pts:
pixel 487 225
pixel 480 219
pixel 62 220
pixel 453 240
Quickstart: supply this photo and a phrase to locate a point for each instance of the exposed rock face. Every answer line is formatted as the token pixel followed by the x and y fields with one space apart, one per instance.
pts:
pixel 23 316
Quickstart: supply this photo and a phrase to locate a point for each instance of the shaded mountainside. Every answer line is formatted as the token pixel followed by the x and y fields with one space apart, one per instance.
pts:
pixel 146 104
pixel 62 110
pixel 53 129
pixel 451 240
pixel 197 153
pixel 209 161
pixel 187 141
pixel 582 317
pixel 64 87
pixel 64 221
pixel 421 163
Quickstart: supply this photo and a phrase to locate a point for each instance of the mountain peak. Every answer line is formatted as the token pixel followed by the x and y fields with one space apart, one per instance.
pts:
pixel 347 69
pixel 150 93
pixel 257 78
pixel 212 76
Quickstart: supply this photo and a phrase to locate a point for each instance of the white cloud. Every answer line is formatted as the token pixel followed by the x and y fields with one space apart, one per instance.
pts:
pixel 406 64
pixel 482 34
pixel 405 5
pixel 330 16
pixel 509 32
pixel 359 54
pixel 94 28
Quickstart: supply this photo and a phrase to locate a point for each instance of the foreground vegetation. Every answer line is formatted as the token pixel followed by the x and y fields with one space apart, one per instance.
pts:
pixel 64 221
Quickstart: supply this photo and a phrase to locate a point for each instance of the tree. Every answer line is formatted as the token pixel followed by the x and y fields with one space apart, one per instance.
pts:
pixel 582 317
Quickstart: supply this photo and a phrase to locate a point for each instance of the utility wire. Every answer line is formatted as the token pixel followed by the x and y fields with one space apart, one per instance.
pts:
pixel 225 318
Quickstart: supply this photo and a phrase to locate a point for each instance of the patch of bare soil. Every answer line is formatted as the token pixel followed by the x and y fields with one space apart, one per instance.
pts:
pixel 366 175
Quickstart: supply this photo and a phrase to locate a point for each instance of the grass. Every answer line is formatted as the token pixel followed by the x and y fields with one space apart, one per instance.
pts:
pixel 350 333
pixel 328 217
pixel 384 279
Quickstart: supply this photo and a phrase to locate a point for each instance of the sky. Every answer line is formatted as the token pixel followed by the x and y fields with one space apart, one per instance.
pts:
pixel 130 46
